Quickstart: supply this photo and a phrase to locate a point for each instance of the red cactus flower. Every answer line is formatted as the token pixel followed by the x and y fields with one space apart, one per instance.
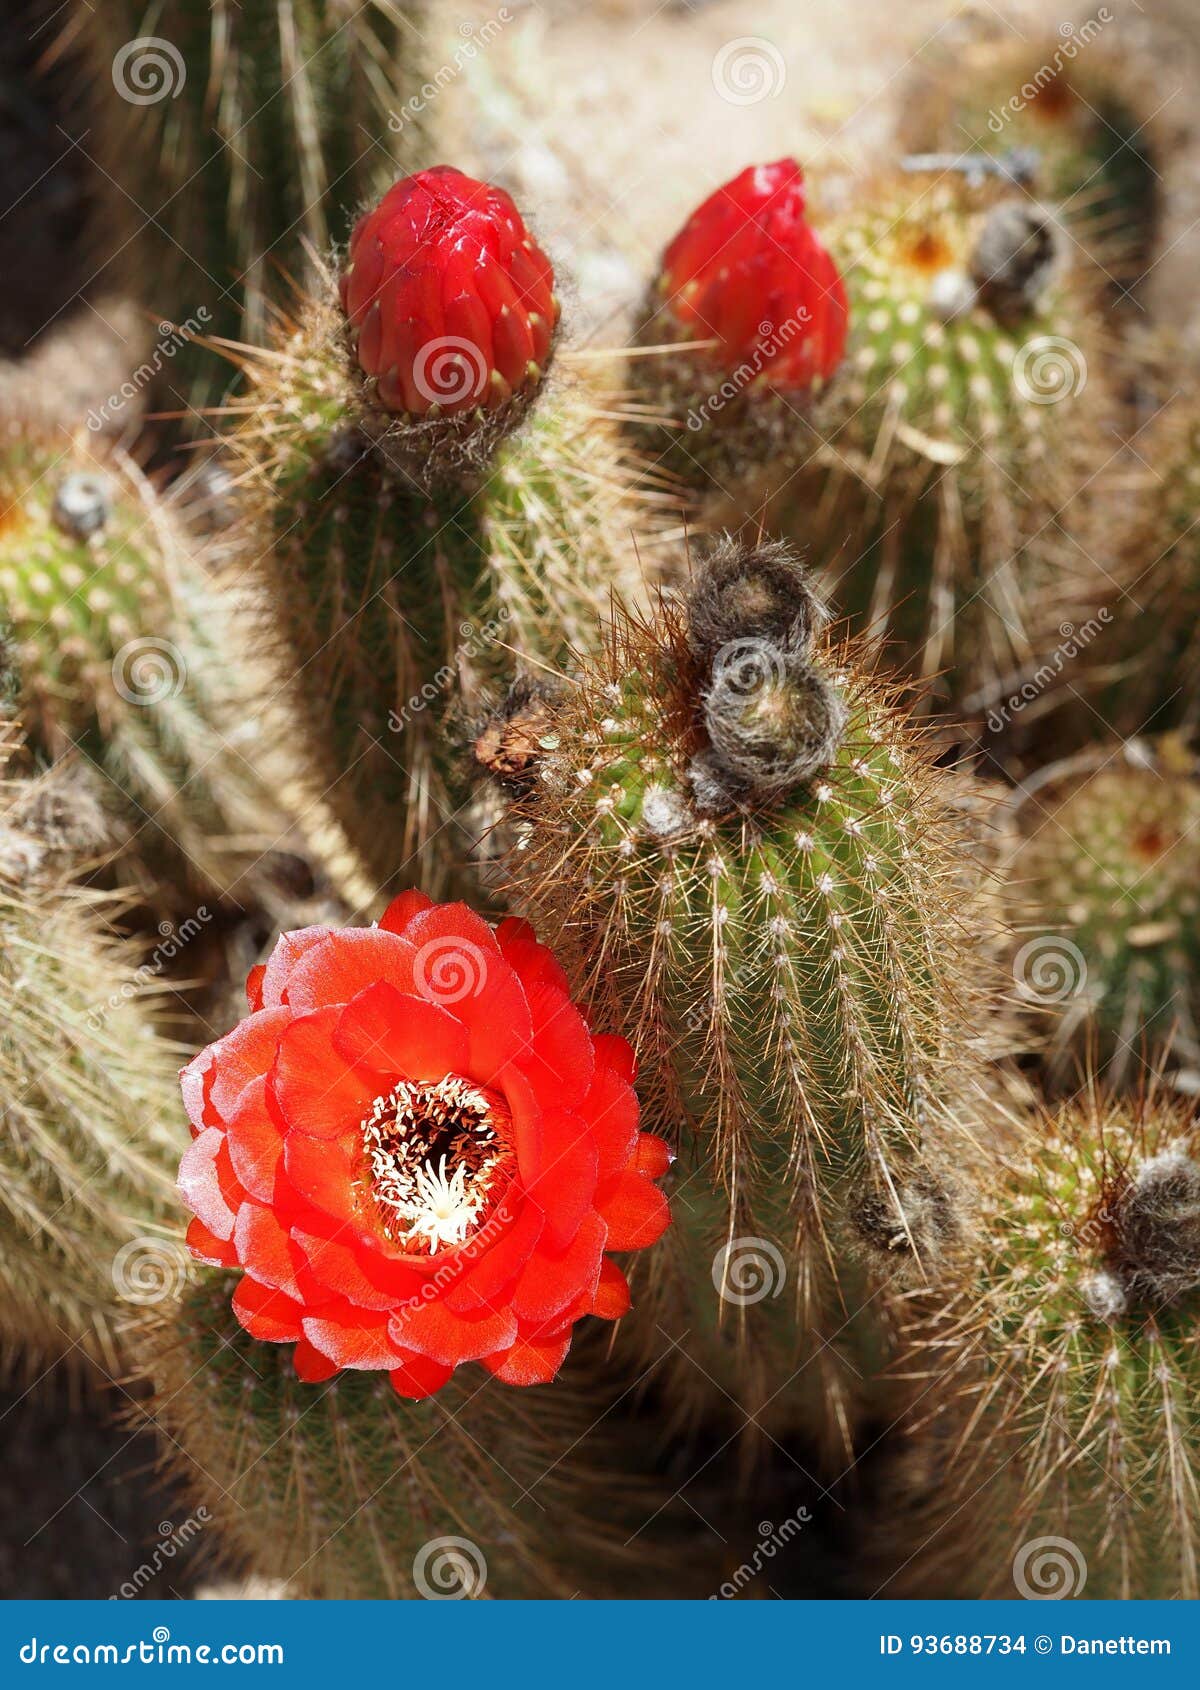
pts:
pixel 451 300
pixel 418 1152
pixel 748 271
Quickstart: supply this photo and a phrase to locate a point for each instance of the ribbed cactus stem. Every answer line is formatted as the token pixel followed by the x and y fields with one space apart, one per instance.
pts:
pixel 275 121
pixel 405 610
pixel 1104 889
pixel 775 933
pixel 344 1490
pixel 1058 1373
pixel 87 1101
pixel 126 658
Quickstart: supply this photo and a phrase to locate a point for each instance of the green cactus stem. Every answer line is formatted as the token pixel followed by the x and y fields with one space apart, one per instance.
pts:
pixel 343 1490
pixel 751 859
pixel 125 656
pixel 1058 1373
pixel 405 611
pixel 1106 879
pixel 88 1099
pixel 275 120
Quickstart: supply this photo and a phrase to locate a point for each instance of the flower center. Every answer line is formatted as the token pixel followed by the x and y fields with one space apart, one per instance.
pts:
pixel 437 1153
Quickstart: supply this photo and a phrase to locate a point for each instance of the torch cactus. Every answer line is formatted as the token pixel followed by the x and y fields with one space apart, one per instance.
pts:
pixel 750 857
pixel 410 545
pixel 1077 117
pixel 1105 881
pixel 952 436
pixel 125 656
pixel 1062 1418
pixel 272 121
pixel 87 1103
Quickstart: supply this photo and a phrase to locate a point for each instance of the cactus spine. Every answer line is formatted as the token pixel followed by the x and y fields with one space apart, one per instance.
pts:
pixel 88 1102
pixel 343 1490
pixel 747 852
pixel 281 118
pixel 1064 1364
pixel 1107 881
pixel 124 652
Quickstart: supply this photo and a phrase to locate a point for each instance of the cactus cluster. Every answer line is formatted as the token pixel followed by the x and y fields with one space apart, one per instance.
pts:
pixel 732 1129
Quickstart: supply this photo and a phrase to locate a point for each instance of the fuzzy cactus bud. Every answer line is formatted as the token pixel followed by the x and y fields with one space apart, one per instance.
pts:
pixel 1016 258
pixel 750 282
pixel 450 300
pixel 756 592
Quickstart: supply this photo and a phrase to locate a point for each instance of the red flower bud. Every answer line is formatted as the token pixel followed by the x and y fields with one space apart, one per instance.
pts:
pixel 450 298
pixel 418 1152
pixel 748 271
